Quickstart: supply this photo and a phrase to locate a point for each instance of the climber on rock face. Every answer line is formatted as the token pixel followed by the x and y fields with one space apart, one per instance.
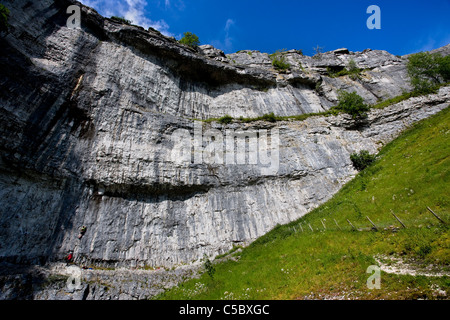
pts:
pixel 82 232
pixel 69 257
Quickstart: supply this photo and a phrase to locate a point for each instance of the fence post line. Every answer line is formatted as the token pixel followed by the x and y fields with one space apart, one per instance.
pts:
pixel 437 217
pixel 337 224
pixel 376 228
pixel 351 225
pixel 398 219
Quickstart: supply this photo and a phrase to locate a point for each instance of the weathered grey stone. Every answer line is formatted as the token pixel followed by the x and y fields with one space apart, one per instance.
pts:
pixel 213 53
pixel 341 51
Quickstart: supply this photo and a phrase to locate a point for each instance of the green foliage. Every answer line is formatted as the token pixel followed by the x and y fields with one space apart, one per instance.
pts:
pixel 397 99
pixel 318 87
pixel 121 20
pixel 407 95
pixel 233 250
pixel 362 159
pixel 352 67
pixel 427 70
pixel 280 64
pixel 269 117
pixel 444 68
pixel 353 104
pixel 210 270
pixel 190 40
pixel 4 15
pixel 352 71
pixel 225 119
pixel 335 74
pixel 279 61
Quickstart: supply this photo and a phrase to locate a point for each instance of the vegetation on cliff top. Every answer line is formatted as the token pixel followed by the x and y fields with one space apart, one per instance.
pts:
pixel 121 20
pixel 190 40
pixel 279 61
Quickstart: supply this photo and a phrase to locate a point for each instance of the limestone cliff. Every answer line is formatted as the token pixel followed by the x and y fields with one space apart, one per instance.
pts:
pixel 91 121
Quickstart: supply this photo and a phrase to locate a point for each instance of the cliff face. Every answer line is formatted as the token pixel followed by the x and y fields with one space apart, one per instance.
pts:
pixel 97 129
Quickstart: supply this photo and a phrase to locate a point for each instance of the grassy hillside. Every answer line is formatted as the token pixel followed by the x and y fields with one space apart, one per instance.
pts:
pixel 293 262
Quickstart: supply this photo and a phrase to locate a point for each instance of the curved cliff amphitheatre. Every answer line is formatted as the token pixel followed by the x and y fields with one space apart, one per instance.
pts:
pixel 143 157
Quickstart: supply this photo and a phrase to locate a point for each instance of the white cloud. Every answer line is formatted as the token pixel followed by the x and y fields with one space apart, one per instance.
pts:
pixel 133 10
pixel 228 24
pixel 427 40
pixel 226 43
pixel 428 43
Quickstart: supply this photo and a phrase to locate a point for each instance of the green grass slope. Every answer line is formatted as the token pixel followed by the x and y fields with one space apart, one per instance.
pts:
pixel 331 260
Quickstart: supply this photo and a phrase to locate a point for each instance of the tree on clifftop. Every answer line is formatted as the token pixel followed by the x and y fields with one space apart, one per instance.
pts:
pixel 190 40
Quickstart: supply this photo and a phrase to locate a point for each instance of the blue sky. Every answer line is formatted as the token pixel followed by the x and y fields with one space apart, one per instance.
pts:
pixel 267 26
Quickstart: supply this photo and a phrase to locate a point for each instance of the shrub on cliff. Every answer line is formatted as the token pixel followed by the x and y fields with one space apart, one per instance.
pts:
pixel 121 20
pixel 190 40
pixel 4 15
pixel 280 64
pixel 225 119
pixel 353 104
pixel 270 117
pixel 444 68
pixel 426 70
pixel 352 71
pixel 279 61
pixel 362 160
